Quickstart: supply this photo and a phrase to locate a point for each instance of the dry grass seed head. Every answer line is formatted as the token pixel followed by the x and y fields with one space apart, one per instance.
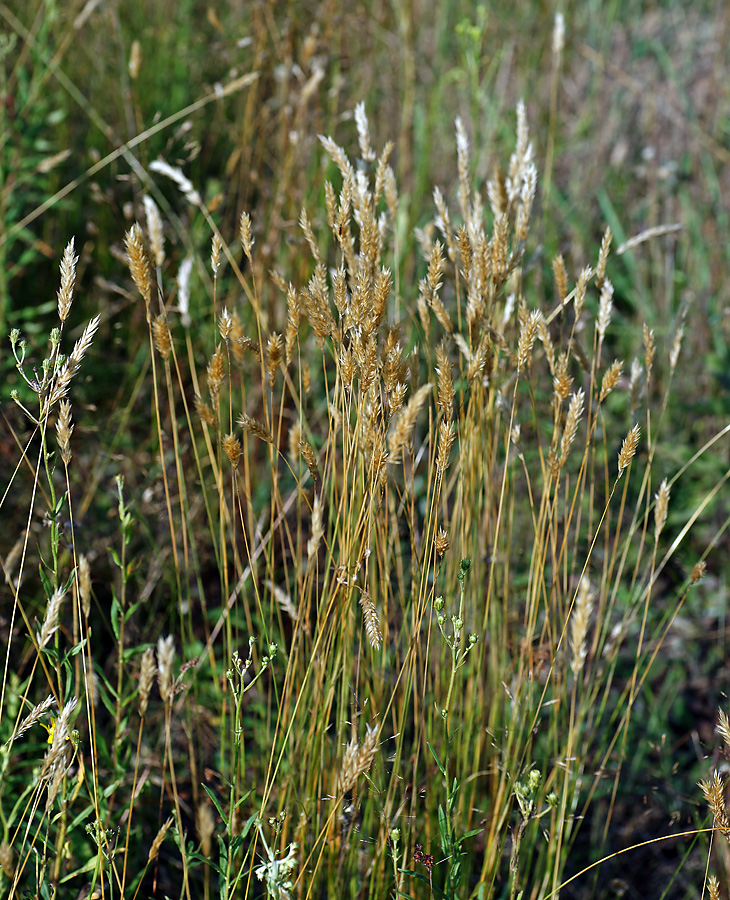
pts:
pixel 628 449
pixel 205 413
pixel 255 427
pixel 232 449
pixel 446 391
pixel 635 385
pixel 560 274
pixel 575 411
pixel 406 421
pixel 215 374
pixel 33 717
pixel 225 324
pixel 161 336
pixel 158 841
pixel 723 728
pixel 317 527
pixel 649 349
pixel 447 436
pixel 562 382
pixel 50 622
pixel 605 308
pixel 154 230
pixel 580 290
pixel 68 281
pixel 713 887
pixel 85 585
pixel 356 761
pixel 274 353
pixel 660 508
pixel 603 258
pixel 244 234
pixel 528 333
pixel 64 430
pixel 147 672
pixel 165 659
pixel 372 622
pixel 73 364
pixel 216 249
pixel 714 793
pixel 441 542
pixel 699 570
pixel 139 261
pixel 610 379
pixel 580 621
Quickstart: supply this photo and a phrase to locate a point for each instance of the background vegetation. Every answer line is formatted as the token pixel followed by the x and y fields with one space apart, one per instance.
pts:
pixel 381 545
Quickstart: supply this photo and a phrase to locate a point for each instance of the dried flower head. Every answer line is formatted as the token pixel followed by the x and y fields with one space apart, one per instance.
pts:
pixel 64 430
pixel 165 659
pixel 139 261
pixel 147 672
pixel 372 622
pixel 68 281
pixel 441 542
pixel 161 336
pixel 628 449
pixel 84 575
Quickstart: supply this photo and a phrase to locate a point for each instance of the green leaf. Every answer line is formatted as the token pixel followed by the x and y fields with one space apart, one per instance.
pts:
pixel 469 834
pixel 444 831
pixel 215 802
pixel 438 761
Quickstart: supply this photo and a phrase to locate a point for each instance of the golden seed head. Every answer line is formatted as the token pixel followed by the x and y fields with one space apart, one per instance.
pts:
pixel 161 336
pixel 232 449
pixel 699 570
pixel 64 430
pixel 85 585
pixel 139 261
pixel 255 427
pixel 68 281
pixel 165 659
pixel 205 413
pixel 660 508
pixel 528 333
pixel 215 253
pixel 244 232
pixel 628 449
pixel 603 258
pixel 560 274
pixel 714 792
pixel 147 672
pixel 215 373
pixel 154 230
pixel 610 379
pixel 274 354
pixel 441 542
pixel 371 620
